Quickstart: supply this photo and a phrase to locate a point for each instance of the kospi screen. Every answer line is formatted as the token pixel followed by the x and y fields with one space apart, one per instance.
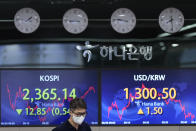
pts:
pixel 151 97
pixel 41 97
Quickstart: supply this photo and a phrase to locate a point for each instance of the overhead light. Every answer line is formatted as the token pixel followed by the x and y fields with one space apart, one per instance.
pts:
pixel 129 45
pixel 175 45
pixel 161 44
pixel 190 34
pixel 188 27
pixel 163 48
pixel 164 35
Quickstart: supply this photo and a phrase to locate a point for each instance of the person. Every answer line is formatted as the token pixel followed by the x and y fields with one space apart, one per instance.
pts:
pixel 77 113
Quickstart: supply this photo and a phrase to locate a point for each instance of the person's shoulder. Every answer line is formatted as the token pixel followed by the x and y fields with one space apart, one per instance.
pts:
pixel 59 128
pixel 86 125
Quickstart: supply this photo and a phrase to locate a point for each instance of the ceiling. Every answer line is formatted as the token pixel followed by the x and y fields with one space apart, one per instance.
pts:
pixel 144 9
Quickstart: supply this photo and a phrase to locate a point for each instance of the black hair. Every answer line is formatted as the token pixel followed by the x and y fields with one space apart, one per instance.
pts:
pixel 77 103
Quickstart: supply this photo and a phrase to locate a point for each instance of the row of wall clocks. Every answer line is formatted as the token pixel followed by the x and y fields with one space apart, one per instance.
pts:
pixel 75 20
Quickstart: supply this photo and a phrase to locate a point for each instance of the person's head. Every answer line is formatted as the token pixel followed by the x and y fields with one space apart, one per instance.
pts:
pixel 77 109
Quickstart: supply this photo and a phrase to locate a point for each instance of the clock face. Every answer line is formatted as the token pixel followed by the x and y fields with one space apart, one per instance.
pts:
pixel 75 21
pixel 123 20
pixel 171 20
pixel 27 20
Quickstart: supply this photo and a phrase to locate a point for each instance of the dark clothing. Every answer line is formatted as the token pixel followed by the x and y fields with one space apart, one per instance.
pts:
pixel 68 127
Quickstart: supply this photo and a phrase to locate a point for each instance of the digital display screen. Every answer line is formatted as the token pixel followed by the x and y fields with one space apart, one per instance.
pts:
pixel 151 97
pixel 41 97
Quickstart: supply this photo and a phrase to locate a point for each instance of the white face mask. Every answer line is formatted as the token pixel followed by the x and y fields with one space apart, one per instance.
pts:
pixel 78 119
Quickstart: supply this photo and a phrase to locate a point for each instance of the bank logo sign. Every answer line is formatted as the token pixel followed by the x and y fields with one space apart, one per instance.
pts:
pixel 125 52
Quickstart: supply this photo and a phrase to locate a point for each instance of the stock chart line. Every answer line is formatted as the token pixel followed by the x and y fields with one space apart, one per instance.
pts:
pixel 131 97
pixel 20 94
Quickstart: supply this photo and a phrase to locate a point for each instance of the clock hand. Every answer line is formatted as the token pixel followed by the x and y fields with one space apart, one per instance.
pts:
pixel 121 20
pixel 74 21
pixel 172 23
pixel 28 19
pixel 170 20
